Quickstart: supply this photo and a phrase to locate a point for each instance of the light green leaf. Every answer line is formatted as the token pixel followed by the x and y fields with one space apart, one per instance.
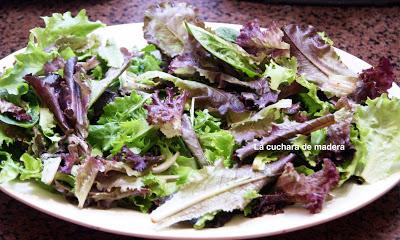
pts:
pixel 217 144
pixel 112 55
pixel 279 74
pixel 217 189
pixel 4 139
pixel 32 167
pixel 349 167
pixel 262 159
pixel 97 88
pixel 136 134
pixel 47 125
pixel 325 37
pixel 228 52
pixel 31 108
pixel 150 60
pixel 9 169
pixel 124 108
pixel 123 123
pixel 30 61
pixel 63 25
pixel 377 154
pixel 201 222
pixel 227 33
pixel 252 194
pixel 314 105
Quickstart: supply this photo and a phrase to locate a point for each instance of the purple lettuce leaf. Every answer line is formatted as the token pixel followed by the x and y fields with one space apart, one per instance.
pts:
pixel 86 175
pixel 374 81
pixel 339 134
pixel 318 61
pixel 164 26
pixel 310 191
pixel 255 94
pixel 48 89
pixel 205 95
pixel 54 65
pixel 167 113
pixel 136 161
pixel 192 142
pixel 262 44
pixel 282 132
pixel 268 203
pixel 68 161
pixel 90 63
pixel 67 98
pixel 14 111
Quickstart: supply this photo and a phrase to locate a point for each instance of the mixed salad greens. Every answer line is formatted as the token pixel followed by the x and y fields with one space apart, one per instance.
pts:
pixel 182 128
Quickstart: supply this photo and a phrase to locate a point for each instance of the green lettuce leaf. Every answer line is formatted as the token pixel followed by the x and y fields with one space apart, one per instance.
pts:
pixel 325 37
pixel 32 109
pixel 124 108
pixel 111 54
pixel 97 87
pixel 217 188
pixel 315 106
pixel 60 26
pixel 217 144
pixel 315 138
pixel 226 51
pixel 349 167
pixel 281 74
pixel 377 153
pixel 123 123
pixel 263 158
pixel 227 33
pixel 47 124
pixel 184 165
pixel 32 167
pixel 148 61
pixel 137 134
pixel 30 61
pixel 201 222
pixel 9 169
pixel 4 139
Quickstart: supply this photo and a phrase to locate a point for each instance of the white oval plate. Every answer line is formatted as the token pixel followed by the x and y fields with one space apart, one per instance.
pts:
pixel 128 222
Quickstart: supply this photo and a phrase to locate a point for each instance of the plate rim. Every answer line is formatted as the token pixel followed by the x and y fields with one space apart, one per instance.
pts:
pixel 244 235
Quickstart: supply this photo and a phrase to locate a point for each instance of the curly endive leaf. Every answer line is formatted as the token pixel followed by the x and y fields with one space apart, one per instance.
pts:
pixel 217 188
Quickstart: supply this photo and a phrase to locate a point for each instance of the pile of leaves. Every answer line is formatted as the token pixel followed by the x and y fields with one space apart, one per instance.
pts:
pixel 181 127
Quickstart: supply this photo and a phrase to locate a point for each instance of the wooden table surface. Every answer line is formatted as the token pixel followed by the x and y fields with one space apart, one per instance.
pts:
pixel 366 32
